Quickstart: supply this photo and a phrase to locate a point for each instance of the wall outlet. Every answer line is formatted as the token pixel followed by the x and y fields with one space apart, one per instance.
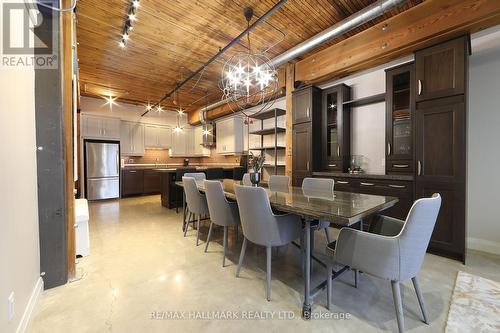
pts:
pixel 10 307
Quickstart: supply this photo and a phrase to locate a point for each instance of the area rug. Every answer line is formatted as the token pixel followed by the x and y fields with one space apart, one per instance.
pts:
pixel 475 305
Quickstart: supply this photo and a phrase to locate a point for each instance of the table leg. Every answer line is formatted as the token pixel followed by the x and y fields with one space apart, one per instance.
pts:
pixel 306 307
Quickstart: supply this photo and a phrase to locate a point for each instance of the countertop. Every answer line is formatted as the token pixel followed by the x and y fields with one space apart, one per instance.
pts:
pixel 172 168
pixel 363 176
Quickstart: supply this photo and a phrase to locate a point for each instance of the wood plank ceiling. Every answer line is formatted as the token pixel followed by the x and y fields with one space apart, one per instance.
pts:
pixel 173 38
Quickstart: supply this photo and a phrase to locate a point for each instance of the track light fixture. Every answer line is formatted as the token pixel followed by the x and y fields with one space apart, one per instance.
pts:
pixel 127 26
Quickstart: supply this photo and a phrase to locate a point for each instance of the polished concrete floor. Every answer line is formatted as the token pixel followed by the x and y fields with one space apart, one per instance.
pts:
pixel 143 276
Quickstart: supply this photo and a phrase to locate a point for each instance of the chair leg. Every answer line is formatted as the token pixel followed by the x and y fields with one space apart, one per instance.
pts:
pixel 225 246
pixel 327 233
pixel 356 278
pixel 242 254
pixel 396 294
pixel 420 298
pixel 187 224
pixel 208 237
pixel 198 230
pixel 268 272
pixel 329 276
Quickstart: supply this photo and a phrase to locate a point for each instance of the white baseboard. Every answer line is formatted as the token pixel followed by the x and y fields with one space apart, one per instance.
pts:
pixel 28 312
pixel 483 245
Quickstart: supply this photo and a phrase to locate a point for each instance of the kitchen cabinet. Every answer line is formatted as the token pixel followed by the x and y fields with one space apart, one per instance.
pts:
pixel 157 136
pixel 132 182
pixel 100 127
pixel 132 138
pixel 441 69
pixel 401 189
pixel 400 109
pixel 302 156
pixel 187 143
pixel 335 129
pixel 306 133
pixel 231 136
pixel 306 103
pixel 151 181
pixel 199 149
pixel 441 168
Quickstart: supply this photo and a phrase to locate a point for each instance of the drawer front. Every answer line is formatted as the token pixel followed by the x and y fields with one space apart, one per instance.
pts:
pixel 344 184
pixel 400 167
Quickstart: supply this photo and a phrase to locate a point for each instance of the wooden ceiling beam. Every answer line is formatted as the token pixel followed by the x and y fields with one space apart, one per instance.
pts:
pixel 427 23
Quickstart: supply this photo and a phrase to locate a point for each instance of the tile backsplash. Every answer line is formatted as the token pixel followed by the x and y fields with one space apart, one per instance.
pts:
pixel 161 156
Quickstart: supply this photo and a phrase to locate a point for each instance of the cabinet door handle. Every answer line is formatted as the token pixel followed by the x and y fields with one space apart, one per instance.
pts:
pixel 367 184
pixel 338 150
pixel 420 87
pixel 388 149
pixel 332 165
pixel 308 111
pixel 397 186
pixel 307 166
pixel 342 182
pixel 132 171
pixel 401 165
pixel 419 168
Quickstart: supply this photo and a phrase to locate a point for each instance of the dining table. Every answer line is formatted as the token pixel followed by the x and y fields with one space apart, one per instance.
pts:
pixel 344 209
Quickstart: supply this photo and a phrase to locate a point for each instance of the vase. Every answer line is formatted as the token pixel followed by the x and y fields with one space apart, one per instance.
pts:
pixel 255 178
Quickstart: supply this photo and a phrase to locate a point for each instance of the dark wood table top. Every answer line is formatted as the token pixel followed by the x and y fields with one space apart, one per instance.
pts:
pixel 342 208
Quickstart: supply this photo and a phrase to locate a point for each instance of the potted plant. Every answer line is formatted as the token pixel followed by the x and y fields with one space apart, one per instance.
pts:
pixel 255 163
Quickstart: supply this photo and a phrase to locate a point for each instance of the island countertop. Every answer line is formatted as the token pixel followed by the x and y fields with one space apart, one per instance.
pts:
pixel 363 176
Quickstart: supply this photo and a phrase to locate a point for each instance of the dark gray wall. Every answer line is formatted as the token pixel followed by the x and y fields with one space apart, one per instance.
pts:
pixel 50 165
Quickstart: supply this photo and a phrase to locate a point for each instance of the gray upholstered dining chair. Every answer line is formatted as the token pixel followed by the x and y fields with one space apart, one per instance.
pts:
pixel 246 179
pixel 222 212
pixel 198 176
pixel 279 183
pixel 392 250
pixel 196 204
pixel 320 186
pixel 262 227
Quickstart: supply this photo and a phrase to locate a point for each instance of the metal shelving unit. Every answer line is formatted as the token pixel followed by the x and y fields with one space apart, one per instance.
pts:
pixel 269 114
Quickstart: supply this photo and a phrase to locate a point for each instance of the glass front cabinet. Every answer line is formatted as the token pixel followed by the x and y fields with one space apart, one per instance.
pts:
pixel 336 128
pixel 400 102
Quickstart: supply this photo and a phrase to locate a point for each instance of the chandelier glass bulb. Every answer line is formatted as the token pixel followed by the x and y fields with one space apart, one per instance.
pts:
pixel 249 80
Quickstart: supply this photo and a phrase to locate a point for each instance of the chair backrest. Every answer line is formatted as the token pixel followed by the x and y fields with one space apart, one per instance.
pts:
pixel 221 211
pixel 215 173
pixel 198 176
pixel 279 183
pixel 257 219
pixel 195 201
pixel 416 234
pixel 246 179
pixel 238 173
pixel 318 186
pixel 179 172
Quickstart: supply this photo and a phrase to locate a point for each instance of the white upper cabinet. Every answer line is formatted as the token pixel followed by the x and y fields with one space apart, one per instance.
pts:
pixel 157 136
pixel 188 143
pixel 132 138
pixel 199 149
pixel 100 127
pixel 231 136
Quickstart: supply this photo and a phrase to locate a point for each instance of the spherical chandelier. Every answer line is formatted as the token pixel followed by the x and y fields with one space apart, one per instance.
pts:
pixel 249 79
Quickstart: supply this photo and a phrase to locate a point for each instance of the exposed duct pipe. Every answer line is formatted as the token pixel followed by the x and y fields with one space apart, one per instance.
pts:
pixel 355 20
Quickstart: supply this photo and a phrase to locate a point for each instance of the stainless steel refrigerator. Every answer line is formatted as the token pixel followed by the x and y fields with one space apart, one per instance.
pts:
pixel 102 168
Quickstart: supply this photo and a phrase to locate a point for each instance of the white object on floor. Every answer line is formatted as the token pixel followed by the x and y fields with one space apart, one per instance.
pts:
pixel 82 227
pixel 474 305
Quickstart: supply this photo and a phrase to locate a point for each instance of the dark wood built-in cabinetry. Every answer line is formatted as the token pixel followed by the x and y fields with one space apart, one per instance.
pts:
pixel 441 76
pixel 306 137
pixel 140 181
pixel 335 131
pixel 400 105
